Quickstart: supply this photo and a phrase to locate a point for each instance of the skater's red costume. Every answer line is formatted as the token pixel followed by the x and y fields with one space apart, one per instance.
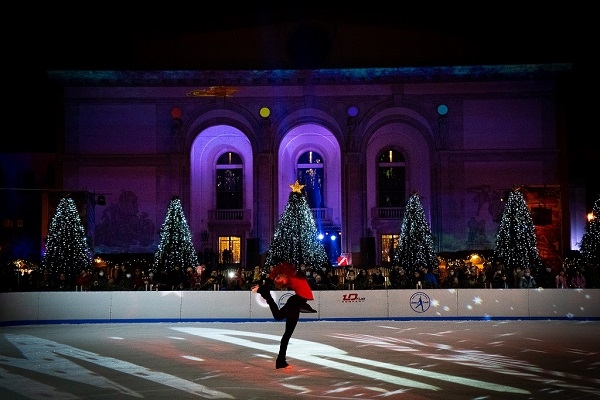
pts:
pixel 298 284
pixel 285 275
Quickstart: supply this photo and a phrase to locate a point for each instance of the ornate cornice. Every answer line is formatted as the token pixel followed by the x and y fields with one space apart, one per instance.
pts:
pixel 221 80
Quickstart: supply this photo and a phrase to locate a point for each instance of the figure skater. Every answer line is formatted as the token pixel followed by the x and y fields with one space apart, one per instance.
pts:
pixel 284 275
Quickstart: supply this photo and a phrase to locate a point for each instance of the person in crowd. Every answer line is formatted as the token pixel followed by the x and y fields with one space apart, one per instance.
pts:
pixel 450 280
pixel 473 276
pixel 138 280
pixel 177 278
pixel 518 273
pixel 162 280
pixel 546 279
pixel 350 279
pixel 378 279
pixel 437 273
pixel 394 277
pixel 257 275
pixel 102 282
pixel 404 279
pixel 561 280
pixel 45 283
pixel 461 273
pixel 310 276
pixel 246 282
pixel 501 282
pixel 488 271
pixel 62 283
pixel 481 280
pixel 211 281
pixel 193 279
pixel 362 279
pixel 221 280
pixel 318 282
pixel 527 281
pixel 347 270
pixel 85 280
pixel 303 270
pixel 284 275
pixel 323 271
pixel 28 282
pixel 332 281
pixel 417 279
pixel 429 279
pixel 126 282
pixel 235 281
pixel 578 280
pixel 119 273
pixel 202 275
pixel 499 270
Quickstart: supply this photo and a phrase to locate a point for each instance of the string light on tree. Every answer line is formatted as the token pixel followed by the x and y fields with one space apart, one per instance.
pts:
pixel 415 247
pixel 516 242
pixel 67 249
pixel 590 241
pixel 175 247
pixel 296 236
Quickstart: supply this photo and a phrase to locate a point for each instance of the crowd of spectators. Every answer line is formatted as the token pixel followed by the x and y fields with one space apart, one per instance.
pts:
pixel 451 276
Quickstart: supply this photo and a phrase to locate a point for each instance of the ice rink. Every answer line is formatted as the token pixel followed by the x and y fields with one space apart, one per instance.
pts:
pixel 379 359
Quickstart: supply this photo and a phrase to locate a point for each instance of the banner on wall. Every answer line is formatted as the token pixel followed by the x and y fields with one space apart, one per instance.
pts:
pixel 344 259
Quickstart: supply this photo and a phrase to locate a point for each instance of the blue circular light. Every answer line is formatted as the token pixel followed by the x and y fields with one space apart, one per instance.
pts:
pixel 442 109
pixel 353 111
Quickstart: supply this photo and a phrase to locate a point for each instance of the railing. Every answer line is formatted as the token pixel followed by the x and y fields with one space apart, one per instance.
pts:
pixel 388 212
pixel 322 214
pixel 229 215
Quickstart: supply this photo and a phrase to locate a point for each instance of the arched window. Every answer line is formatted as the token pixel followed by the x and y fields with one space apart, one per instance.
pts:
pixel 230 182
pixel 391 183
pixel 310 174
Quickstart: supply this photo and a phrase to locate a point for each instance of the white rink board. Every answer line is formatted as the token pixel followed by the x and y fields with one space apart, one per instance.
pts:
pixel 501 303
pixel 146 305
pixel 19 306
pixel 572 303
pixel 219 304
pixel 74 305
pixel 422 303
pixel 353 304
pixel 33 307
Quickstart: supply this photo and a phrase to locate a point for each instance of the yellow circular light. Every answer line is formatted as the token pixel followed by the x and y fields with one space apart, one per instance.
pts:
pixel 265 112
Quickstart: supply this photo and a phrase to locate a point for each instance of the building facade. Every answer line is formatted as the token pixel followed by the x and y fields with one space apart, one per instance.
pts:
pixel 230 144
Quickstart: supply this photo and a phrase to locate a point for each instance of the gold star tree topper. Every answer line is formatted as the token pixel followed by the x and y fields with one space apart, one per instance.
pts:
pixel 296 187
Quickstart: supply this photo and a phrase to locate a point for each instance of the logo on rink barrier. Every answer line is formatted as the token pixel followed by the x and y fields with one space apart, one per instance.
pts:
pixel 352 298
pixel 283 299
pixel 420 302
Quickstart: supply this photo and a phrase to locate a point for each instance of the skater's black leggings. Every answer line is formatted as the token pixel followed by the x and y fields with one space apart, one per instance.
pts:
pixel 291 313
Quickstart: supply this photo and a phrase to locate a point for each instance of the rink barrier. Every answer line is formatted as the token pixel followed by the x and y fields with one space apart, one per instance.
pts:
pixel 26 308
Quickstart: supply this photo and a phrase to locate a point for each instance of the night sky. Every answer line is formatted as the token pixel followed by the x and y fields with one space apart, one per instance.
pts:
pixel 174 38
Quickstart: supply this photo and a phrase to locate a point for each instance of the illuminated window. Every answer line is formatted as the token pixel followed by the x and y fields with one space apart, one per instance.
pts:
pixel 230 182
pixel 230 250
pixel 389 244
pixel 391 184
pixel 310 174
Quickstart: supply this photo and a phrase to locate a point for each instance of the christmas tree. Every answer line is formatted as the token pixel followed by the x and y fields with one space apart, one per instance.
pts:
pixel 516 242
pixel 175 247
pixel 415 247
pixel 590 242
pixel 67 249
pixel 295 239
